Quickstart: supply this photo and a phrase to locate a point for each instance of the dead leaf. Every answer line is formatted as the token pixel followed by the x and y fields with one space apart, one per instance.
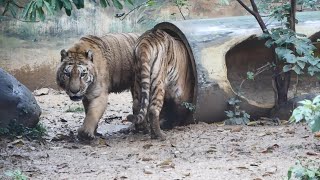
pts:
pixel 211 151
pixel 237 129
pixel 186 174
pixel 63 165
pixel 165 162
pixel 312 154
pixel 147 146
pixel 289 131
pixel 220 130
pixel 147 170
pixel 252 123
pixel 18 142
pixel 317 135
pixel 146 159
pixel 271 148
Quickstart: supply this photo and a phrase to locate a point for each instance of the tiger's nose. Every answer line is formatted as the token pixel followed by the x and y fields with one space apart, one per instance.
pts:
pixel 74 91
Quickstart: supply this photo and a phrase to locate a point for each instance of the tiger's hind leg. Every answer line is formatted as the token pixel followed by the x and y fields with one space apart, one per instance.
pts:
pixel 154 110
pixel 136 106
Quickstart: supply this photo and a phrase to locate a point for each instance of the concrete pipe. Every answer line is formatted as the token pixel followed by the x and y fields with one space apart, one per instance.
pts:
pixel 222 51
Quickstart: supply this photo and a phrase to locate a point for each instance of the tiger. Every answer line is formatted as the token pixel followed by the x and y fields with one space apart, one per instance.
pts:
pixel 164 80
pixel 91 69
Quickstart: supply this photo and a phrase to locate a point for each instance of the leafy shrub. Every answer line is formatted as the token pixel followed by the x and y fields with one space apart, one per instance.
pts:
pixel 236 116
pixel 16 175
pixel 304 172
pixel 308 111
pixel 14 129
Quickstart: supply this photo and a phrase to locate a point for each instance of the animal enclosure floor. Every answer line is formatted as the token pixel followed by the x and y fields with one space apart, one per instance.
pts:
pixel 198 151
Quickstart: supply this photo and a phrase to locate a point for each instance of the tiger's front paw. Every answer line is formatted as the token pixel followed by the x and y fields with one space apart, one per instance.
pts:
pixel 84 134
pixel 161 136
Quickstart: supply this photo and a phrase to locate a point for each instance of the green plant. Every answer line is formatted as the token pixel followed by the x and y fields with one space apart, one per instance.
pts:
pixel 181 4
pixel 304 172
pixel 236 115
pixel 14 129
pixel 34 10
pixel 75 109
pixel 292 51
pixel 191 107
pixel 16 175
pixel 308 111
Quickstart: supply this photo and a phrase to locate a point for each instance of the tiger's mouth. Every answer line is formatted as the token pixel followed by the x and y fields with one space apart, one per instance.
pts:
pixel 76 98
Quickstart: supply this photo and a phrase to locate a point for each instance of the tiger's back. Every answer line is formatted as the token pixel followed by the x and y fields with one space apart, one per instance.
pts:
pixel 164 80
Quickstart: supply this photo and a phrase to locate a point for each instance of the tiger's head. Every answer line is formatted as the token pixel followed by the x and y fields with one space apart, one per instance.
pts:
pixel 76 72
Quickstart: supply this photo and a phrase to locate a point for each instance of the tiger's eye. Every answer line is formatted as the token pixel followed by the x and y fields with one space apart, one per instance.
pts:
pixel 83 74
pixel 68 74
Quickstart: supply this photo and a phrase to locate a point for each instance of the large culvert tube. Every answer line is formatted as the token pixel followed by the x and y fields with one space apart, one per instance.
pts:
pixel 222 51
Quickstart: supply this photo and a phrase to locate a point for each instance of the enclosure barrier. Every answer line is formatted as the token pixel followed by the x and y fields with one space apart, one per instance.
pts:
pixel 222 51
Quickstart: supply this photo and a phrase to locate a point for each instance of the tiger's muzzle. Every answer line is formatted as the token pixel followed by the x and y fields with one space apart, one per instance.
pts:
pixel 76 98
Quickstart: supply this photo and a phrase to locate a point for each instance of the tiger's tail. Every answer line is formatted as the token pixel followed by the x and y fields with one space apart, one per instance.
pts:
pixel 143 57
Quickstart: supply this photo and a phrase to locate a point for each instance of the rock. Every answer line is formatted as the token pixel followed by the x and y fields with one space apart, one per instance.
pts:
pixel 40 92
pixel 17 102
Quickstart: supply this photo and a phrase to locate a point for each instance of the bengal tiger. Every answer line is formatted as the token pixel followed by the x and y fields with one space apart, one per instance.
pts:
pixel 163 81
pixel 94 67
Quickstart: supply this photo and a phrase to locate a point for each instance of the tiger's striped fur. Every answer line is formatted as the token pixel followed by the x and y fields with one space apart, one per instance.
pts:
pixel 93 68
pixel 163 77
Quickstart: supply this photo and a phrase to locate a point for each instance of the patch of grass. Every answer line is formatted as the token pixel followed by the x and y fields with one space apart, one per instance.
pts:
pixel 14 129
pixel 75 109
pixel 16 175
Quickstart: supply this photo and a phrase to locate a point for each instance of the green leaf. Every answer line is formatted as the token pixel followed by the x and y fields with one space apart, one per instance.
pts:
pixel 130 2
pixel 68 12
pixel 41 14
pixel 301 64
pixel 296 69
pixel 6 8
pixel 33 12
pixel 281 52
pixel 78 3
pixel 56 4
pixel 315 124
pixel 103 3
pixel 49 9
pixel 250 75
pixel 67 5
pixel 229 114
pixel 290 58
pixel 39 3
pixel 286 68
pixel 13 10
pixel 269 43
pixel 117 4
pixel 290 173
pixel 26 10
pixel 150 3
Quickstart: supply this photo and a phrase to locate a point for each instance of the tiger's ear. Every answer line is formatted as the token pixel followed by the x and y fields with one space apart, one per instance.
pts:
pixel 89 55
pixel 63 54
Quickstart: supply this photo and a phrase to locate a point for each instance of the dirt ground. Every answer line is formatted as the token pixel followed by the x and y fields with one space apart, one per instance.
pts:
pixel 198 151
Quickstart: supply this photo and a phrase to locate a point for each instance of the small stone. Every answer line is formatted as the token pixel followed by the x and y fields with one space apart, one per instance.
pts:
pixel 41 92
pixel 147 170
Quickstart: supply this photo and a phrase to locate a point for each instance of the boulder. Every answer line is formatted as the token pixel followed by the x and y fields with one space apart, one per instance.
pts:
pixel 17 102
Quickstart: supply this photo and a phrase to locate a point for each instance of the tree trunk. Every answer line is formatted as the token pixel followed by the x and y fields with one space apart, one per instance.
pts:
pixel 281 81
